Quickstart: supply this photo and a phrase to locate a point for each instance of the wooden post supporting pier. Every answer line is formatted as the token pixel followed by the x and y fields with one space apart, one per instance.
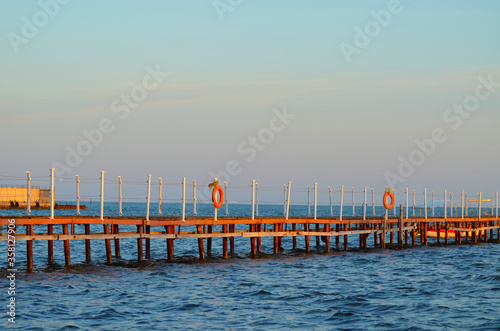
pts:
pixel 327 238
pixel 318 238
pixel 67 253
pixel 346 241
pixel 485 232
pixel 474 235
pixel 170 242
pixel 148 242
pixel 413 235
pixel 306 238
pixel 406 233
pixel 201 246
pixel 424 232
pixel 391 235
pixel 381 234
pixel 400 225
pixel 467 232
pixel 231 240
pixel 446 233
pixel 209 240
pixel 107 242
pixel 50 244
pixel 87 244
pixel 224 242
pixel 259 239
pixel 337 238
pixel 438 232
pixel 139 243
pixel 29 248
pixel 253 249
pixel 116 230
pixel 276 243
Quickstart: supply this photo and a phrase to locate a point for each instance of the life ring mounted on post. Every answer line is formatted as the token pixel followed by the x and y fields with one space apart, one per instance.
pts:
pixel 388 193
pixel 217 204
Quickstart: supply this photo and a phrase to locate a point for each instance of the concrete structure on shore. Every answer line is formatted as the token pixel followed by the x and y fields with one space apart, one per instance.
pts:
pixel 16 197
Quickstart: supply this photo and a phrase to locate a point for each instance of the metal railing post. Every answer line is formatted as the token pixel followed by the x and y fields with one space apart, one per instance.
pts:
pixel 451 204
pixel 479 211
pixel 353 203
pixel 183 198
pixel 463 201
pixel 364 207
pixel 52 193
pixel 407 203
pixel 331 205
pixel 194 198
pixel 225 198
pixel 433 202
pixel 425 202
pixel 315 199
pixel 253 199
pixel 288 199
pixel 445 204
pixel 394 194
pixel 413 203
pixel 160 183
pixel 284 199
pixel 308 201
pixel 28 192
pixel 120 197
pixel 257 199
pixel 148 198
pixel 496 206
pixel 373 201
pixel 341 201
pixel 102 195
pixel 77 195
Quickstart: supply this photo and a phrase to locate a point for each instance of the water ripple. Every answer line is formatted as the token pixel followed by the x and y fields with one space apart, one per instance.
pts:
pixel 427 288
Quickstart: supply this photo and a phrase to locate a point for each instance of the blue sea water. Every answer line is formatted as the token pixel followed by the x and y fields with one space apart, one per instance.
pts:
pixel 422 288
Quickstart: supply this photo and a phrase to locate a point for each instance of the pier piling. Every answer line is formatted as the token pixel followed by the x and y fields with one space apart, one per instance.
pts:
pixel 201 246
pixel 139 243
pixel 148 242
pixel 67 253
pixel 87 244
pixel 29 248
pixel 107 243
pixel 50 244
pixel 116 230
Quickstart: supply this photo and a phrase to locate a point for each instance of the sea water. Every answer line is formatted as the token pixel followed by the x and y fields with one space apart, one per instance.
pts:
pixel 423 288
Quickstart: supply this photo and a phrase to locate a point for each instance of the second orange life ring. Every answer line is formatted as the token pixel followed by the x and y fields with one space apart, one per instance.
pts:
pixel 388 194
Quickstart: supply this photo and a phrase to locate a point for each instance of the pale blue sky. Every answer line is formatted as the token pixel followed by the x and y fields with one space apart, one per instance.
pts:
pixel 352 121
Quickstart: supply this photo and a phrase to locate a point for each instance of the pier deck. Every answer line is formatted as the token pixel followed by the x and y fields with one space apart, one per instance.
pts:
pixel 397 232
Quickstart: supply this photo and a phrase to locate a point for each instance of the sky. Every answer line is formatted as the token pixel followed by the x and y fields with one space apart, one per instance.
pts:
pixel 355 93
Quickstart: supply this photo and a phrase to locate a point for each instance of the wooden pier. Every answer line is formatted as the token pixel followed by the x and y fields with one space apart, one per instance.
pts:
pixel 403 230
pixel 379 232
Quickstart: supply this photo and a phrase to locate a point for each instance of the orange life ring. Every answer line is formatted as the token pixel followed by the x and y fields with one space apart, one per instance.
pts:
pixel 214 197
pixel 388 194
